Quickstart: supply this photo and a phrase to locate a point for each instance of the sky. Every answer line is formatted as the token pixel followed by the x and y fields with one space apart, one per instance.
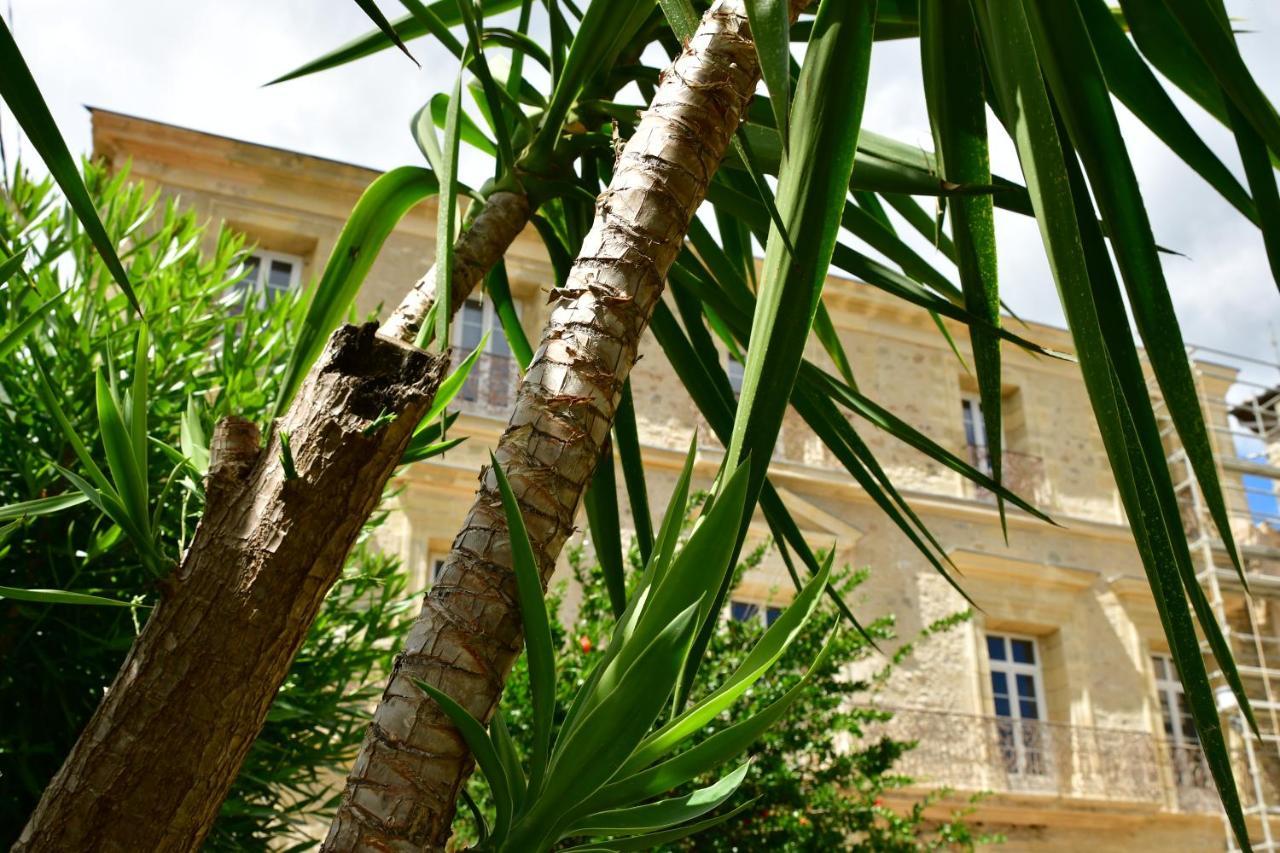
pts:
pixel 203 65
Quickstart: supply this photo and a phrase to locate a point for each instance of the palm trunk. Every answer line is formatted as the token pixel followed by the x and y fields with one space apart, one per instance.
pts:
pixel 151 768
pixel 479 247
pixel 402 790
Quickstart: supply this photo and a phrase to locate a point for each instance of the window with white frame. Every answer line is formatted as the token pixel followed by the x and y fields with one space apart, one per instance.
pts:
pixel 975 432
pixel 747 611
pixel 1017 694
pixel 1179 726
pixel 269 274
pixel 493 377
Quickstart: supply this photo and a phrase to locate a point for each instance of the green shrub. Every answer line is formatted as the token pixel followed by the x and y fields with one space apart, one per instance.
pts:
pixel 219 354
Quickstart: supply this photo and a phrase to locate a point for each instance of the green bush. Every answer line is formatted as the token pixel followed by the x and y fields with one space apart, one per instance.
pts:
pixel 214 352
pixel 813 792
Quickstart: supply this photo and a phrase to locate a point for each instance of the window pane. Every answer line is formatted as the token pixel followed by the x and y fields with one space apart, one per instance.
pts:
pixel 995 647
pixel 1027 708
pixel 280 275
pixel 1157 663
pixel 1002 707
pixel 498 340
pixel 967 409
pixel 999 683
pixel 742 610
pixel 735 370
pixel 470 325
pixel 1023 651
pixel 771 615
pixel 1026 687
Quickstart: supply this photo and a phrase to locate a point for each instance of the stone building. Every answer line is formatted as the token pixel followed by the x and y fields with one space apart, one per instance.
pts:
pixel 1059 698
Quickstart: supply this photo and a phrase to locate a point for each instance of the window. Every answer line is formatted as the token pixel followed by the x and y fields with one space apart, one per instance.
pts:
pixel 268 273
pixel 735 370
pixel 437 568
pixel 493 378
pixel 975 433
pixel 1180 734
pixel 746 611
pixel 1017 692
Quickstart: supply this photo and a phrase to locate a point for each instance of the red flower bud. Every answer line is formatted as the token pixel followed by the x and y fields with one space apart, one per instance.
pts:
pixel 585 642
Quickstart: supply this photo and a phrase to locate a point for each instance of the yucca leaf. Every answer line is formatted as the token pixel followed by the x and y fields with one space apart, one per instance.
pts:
pixel 1211 37
pixel 407 28
pixel 626 439
pixel 601 504
pixel 62 596
pixel 376 213
pixel 510 757
pixel 953 86
pixel 682 17
pixel 763 655
pixel 20 92
pixel 1132 81
pixel 702 757
pixel 41 506
pixel 919 219
pixel 1080 93
pixel 128 476
pixel 446 218
pixel 10 340
pixel 435 112
pixel 605 28
pixel 770 31
pixel 537 631
pixel 49 399
pixel 485 753
pixel 590 753
pixel 656 839
pixel 418 451
pixel 138 401
pixel 1260 173
pixel 663 814
pixel 370 8
pixel 1023 104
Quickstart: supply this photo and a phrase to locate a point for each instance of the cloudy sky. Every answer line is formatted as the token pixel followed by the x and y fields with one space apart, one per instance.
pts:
pixel 202 65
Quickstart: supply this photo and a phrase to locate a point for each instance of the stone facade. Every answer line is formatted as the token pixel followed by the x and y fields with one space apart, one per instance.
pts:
pixel 1092 771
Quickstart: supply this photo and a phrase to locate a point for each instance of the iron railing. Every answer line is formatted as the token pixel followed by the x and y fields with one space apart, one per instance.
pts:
pixel 968 752
pixel 1020 473
pixel 490 388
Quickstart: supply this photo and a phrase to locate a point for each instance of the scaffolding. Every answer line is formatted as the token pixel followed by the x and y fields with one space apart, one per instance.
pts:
pixel 1240 397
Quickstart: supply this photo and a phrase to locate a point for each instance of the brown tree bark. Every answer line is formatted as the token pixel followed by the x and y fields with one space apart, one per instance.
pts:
pixel 155 761
pixel 477 249
pixel 403 787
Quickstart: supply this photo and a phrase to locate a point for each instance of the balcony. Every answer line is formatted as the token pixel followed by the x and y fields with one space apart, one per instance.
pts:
pixel 1021 473
pixel 971 753
pixel 490 389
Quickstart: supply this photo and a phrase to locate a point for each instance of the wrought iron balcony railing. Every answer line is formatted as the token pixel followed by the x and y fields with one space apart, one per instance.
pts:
pixel 1021 473
pixel 977 753
pixel 490 389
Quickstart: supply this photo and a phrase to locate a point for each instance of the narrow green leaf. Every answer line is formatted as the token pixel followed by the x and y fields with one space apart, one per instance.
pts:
pixel 407 28
pixel 771 32
pixel 626 439
pixel 510 757
pixel 485 753
pixel 11 339
pixel 370 8
pixel 537 631
pixel 446 218
pixel 41 506
pixel 19 90
pixel 129 478
pixel 1080 93
pixel 601 503
pixel 192 438
pixel 62 596
pixel 138 401
pixel 498 287
pixel 682 17
pixel 376 213
pixel 663 814
pixel 11 265
pixel 953 85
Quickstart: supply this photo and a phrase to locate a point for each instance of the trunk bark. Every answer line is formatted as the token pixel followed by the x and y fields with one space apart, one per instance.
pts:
pixel 479 247
pixel 155 761
pixel 402 790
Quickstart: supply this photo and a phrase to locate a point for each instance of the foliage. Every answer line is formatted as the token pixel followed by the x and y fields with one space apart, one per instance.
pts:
pixel 815 782
pixel 596 771
pixel 213 351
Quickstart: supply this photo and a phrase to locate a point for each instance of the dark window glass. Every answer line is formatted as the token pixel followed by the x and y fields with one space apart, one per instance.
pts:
pixel 1002 707
pixel 1028 710
pixel 1023 651
pixel 771 615
pixel 999 683
pixel 1026 687
pixel 743 610
pixel 995 647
